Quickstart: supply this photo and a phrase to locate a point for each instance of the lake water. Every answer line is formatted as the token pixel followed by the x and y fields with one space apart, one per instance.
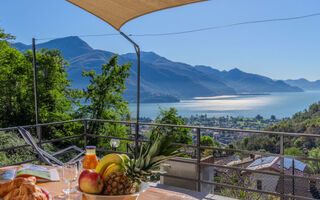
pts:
pixel 279 104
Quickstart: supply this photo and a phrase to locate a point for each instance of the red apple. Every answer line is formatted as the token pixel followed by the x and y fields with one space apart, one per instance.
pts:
pixel 91 182
pixel 83 174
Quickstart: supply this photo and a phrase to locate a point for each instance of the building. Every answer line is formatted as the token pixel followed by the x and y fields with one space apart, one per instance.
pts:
pixel 273 183
pixel 182 167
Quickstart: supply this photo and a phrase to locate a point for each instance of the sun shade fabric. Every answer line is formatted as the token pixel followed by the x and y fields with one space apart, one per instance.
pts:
pixel 118 12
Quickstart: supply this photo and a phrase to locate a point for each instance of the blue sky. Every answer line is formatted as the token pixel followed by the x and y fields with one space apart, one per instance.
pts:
pixel 279 50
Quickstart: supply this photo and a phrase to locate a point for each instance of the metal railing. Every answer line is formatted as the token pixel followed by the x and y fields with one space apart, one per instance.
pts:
pixel 198 148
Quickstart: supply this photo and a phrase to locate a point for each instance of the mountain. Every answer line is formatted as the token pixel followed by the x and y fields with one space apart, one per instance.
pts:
pixel 177 79
pixel 162 80
pixel 247 83
pixel 71 46
pixel 304 84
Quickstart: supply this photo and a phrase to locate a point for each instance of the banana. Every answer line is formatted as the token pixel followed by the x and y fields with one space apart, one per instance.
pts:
pixel 125 158
pixel 108 160
pixel 112 168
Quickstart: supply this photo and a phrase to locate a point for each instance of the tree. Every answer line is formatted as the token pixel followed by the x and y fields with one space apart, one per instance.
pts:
pixel 314 166
pixel 257 142
pixel 104 94
pixel 104 98
pixel 207 141
pixel 16 96
pixel 5 36
pixel 293 151
pixel 182 135
pixel 259 117
pixel 56 99
pixel 298 143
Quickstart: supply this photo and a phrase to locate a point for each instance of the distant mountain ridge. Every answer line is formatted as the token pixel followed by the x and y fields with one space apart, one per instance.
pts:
pixel 247 83
pixel 162 80
pixel 304 84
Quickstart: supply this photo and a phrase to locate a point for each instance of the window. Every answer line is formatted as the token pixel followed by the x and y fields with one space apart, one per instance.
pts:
pixel 259 185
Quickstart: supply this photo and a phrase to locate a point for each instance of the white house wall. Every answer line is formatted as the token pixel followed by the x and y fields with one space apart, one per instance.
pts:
pixel 269 182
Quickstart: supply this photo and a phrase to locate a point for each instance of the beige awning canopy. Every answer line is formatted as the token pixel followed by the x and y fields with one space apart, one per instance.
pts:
pixel 118 12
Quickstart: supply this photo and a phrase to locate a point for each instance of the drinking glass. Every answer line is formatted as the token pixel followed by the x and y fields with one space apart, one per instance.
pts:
pixel 70 174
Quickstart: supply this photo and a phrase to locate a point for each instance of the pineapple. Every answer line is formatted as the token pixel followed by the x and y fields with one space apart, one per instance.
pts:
pixel 150 156
pixel 117 183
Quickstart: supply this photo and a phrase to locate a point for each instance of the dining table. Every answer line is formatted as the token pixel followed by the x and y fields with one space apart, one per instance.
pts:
pixel 154 192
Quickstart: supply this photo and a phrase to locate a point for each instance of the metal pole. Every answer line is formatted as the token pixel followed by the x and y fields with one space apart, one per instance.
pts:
pixel 35 90
pixel 198 161
pixel 85 133
pixel 137 49
pixel 282 167
pixel 293 187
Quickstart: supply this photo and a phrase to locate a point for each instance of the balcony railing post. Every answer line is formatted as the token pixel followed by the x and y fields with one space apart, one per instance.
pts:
pixel 198 161
pixel 282 167
pixel 39 134
pixel 136 138
pixel 293 183
pixel 85 133
pixel 129 132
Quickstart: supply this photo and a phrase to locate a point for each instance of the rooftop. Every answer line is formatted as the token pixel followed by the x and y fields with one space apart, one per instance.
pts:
pixel 273 162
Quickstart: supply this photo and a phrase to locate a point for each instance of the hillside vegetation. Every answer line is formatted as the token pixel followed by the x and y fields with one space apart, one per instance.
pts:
pixel 307 122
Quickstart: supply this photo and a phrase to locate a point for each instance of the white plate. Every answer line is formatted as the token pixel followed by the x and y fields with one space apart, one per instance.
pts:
pixel 143 187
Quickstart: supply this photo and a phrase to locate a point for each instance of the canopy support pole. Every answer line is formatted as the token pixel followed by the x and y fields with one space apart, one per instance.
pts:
pixel 35 87
pixel 137 49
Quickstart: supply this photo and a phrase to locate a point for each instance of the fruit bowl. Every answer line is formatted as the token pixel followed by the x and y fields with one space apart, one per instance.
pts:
pixel 86 196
